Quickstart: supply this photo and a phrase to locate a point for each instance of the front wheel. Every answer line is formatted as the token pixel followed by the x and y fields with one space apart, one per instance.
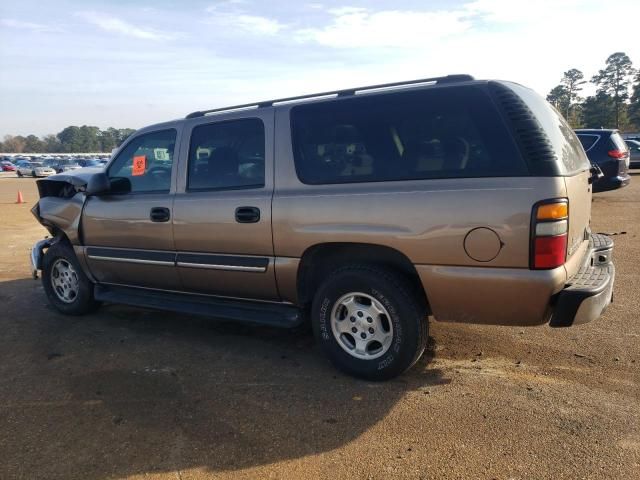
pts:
pixel 369 322
pixel 19 173
pixel 67 287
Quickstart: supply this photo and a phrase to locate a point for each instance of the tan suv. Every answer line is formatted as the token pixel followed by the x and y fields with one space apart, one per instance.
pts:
pixel 362 211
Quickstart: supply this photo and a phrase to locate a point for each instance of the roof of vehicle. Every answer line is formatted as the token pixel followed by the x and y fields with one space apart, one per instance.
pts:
pixel 595 130
pixel 448 79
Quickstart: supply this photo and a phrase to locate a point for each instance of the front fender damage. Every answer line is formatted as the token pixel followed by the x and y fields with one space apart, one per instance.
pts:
pixel 59 209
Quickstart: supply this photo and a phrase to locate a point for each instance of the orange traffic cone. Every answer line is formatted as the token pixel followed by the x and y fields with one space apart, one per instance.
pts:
pixel 20 198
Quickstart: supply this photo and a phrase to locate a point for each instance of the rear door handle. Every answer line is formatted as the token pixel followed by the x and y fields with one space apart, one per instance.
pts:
pixel 160 214
pixel 247 214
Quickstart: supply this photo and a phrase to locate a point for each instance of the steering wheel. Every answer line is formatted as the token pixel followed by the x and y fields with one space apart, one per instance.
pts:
pixel 158 174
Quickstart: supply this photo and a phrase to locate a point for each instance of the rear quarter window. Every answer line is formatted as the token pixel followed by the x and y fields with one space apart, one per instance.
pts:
pixel 588 140
pixel 618 142
pixel 433 133
pixel 564 142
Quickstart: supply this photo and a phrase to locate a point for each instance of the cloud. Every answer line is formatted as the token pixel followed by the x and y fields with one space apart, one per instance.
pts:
pixel 363 28
pixel 508 11
pixel 112 24
pixel 229 14
pixel 251 23
pixel 34 27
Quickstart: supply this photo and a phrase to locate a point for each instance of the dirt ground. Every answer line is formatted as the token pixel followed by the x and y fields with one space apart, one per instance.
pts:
pixel 132 393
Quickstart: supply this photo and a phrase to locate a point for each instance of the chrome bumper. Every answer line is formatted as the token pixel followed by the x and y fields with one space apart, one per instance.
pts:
pixel 37 252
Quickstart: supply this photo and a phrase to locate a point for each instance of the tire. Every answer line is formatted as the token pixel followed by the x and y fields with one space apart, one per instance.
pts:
pixel 19 173
pixel 67 287
pixel 386 311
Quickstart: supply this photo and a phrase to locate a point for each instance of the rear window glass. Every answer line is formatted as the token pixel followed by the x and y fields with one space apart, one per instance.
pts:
pixel 587 141
pixel 438 133
pixel 563 139
pixel 618 142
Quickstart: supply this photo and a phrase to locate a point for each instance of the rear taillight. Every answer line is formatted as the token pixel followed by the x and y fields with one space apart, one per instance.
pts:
pixel 619 154
pixel 549 229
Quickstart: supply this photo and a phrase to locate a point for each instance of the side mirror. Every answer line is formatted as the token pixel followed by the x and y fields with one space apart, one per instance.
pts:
pixel 98 183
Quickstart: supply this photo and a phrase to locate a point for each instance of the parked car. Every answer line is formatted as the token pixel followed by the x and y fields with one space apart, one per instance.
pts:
pixel 35 169
pixel 62 165
pixel 634 153
pixel 362 211
pixel 7 166
pixel 607 150
pixel 93 162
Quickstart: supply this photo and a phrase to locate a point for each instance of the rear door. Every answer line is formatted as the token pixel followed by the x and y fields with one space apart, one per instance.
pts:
pixel 222 211
pixel 128 232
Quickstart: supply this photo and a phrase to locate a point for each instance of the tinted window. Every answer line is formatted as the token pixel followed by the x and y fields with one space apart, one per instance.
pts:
pixel 438 133
pixel 618 142
pixel 563 139
pixel 145 164
pixel 227 155
pixel 587 141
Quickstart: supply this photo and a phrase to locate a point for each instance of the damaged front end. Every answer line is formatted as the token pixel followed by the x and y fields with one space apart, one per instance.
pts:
pixel 59 210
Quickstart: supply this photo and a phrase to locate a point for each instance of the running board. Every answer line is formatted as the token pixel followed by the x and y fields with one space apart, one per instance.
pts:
pixel 262 313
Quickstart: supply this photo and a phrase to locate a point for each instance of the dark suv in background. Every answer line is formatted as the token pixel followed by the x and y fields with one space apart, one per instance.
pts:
pixel 607 149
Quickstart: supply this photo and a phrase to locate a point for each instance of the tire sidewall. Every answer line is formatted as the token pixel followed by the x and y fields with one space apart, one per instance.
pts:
pixel 404 316
pixel 84 301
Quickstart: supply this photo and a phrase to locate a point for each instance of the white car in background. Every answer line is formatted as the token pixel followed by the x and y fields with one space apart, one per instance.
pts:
pixel 34 169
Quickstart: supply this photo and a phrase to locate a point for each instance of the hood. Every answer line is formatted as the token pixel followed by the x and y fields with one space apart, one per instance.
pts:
pixel 78 177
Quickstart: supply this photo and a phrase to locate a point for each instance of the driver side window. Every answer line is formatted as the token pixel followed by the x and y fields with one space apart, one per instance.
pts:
pixel 145 164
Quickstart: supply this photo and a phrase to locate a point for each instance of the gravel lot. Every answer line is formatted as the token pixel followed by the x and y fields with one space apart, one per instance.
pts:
pixel 132 393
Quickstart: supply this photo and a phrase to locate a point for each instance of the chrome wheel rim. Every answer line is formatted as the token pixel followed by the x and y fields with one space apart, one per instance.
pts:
pixel 64 280
pixel 361 325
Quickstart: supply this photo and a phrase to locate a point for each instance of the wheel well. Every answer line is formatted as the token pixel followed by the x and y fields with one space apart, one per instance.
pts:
pixel 319 261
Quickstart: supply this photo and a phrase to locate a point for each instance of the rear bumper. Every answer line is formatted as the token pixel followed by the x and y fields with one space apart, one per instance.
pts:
pixel 611 183
pixel 590 291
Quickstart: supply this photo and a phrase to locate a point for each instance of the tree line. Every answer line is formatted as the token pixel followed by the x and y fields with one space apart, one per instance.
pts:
pixel 616 103
pixel 70 140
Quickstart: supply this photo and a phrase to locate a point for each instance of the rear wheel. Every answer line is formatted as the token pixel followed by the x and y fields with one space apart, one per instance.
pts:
pixel 369 322
pixel 19 173
pixel 67 287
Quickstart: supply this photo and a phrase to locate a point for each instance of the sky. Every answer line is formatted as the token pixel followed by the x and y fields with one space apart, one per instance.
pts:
pixel 130 63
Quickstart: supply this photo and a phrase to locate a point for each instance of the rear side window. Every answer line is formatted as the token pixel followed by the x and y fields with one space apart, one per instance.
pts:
pixel 618 142
pixel 564 141
pixel 437 133
pixel 227 155
pixel 587 141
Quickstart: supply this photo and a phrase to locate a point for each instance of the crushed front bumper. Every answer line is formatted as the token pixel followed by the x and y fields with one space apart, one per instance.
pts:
pixel 590 291
pixel 37 252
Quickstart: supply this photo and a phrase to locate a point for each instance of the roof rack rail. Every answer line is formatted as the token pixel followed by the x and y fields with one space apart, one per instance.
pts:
pixel 339 93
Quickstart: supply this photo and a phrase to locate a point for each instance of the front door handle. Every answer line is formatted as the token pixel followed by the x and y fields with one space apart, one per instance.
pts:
pixel 247 214
pixel 160 214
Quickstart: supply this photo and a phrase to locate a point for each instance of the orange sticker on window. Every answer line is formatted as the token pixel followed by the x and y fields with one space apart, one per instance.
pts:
pixel 139 165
